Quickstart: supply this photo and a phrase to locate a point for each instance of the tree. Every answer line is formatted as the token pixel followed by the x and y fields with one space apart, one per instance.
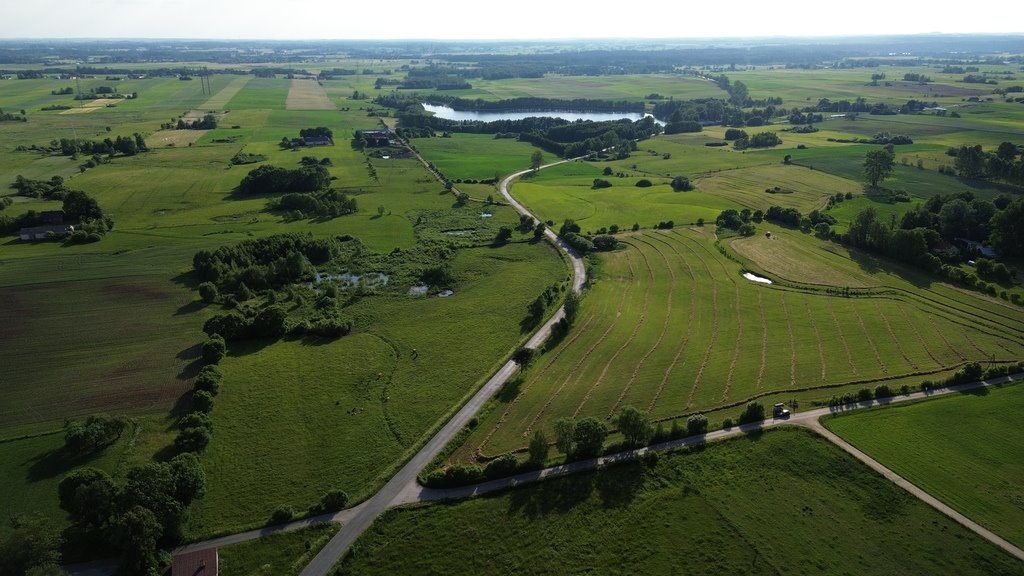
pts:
pixel 79 206
pixel 333 501
pixel 589 437
pixel 754 412
pixel 539 448
pixel 697 424
pixel 635 426
pixel 208 292
pixel 504 235
pixel 1007 229
pixel 538 231
pixel 202 401
pixel 681 184
pixel 536 159
pixel 572 306
pixel 136 533
pixel 192 439
pixel 523 357
pixel 214 349
pixel 878 164
pixel 189 478
pixel 565 435
pixel 28 544
pixel 87 495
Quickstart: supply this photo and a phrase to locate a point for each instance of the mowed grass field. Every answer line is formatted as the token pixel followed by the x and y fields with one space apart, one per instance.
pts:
pixel 476 156
pixel 965 449
pixel 782 502
pixel 670 326
pixel 283 554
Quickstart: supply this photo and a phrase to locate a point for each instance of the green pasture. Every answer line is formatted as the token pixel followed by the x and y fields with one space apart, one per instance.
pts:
pixel 282 554
pixel 671 327
pixel 783 502
pixel 477 156
pixel 269 93
pixel 964 449
pixel 296 419
pixel 35 465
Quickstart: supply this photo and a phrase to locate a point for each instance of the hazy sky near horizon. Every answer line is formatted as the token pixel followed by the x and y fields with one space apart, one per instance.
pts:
pixel 466 19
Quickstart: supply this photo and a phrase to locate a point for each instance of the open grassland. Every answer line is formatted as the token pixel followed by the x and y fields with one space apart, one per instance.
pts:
pixel 476 156
pixel 966 450
pixel 297 419
pixel 671 327
pixel 782 502
pixel 35 463
pixel 307 95
pixel 283 554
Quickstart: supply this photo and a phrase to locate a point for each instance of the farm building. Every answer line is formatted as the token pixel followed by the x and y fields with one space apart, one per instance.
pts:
pixel 312 141
pixel 376 138
pixel 199 563
pixel 45 232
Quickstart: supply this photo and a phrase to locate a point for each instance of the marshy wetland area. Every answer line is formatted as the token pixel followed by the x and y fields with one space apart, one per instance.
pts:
pixel 476 308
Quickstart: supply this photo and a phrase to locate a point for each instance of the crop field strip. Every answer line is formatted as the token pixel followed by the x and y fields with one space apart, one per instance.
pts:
pixel 220 100
pixel 674 360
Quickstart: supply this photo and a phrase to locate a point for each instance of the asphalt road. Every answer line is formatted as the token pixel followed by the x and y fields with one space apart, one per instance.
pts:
pixel 404 482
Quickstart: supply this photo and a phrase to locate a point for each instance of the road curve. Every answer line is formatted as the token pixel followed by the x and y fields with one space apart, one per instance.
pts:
pixel 404 481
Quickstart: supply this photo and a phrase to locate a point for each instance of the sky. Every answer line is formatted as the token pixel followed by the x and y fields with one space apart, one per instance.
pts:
pixel 480 19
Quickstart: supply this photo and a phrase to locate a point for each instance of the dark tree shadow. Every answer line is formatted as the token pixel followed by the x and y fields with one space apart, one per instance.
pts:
pixel 57 462
pixel 619 485
pixel 528 323
pixel 193 306
pixel 558 496
pixel 510 390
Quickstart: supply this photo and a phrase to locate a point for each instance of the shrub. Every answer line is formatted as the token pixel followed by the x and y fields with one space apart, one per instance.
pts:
pixel 455 475
pixel 727 423
pixel 208 379
pixel 681 184
pixel 282 514
pixel 754 412
pixel 196 420
pixel 882 391
pixel 864 394
pixel 202 401
pixel 504 465
pixel 697 424
pixel 214 349
pixel 192 439
pixel 93 434
pixel 644 183
pixel 333 501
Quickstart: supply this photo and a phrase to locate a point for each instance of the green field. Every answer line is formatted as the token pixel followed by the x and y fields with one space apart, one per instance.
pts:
pixel 283 554
pixel 965 449
pixel 671 327
pixel 783 502
pixel 295 420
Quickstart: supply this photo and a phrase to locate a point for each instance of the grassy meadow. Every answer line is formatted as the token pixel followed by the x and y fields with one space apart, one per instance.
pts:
pixel 120 323
pixel 781 502
pixel 671 327
pixel 964 449
pixel 283 554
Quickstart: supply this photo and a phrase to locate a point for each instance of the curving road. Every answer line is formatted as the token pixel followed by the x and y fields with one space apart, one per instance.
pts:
pixel 404 483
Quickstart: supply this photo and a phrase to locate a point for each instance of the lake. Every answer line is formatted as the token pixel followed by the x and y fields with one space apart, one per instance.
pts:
pixel 449 114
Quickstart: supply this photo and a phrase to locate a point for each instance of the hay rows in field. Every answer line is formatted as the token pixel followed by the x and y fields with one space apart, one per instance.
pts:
pixel 870 340
pixel 579 331
pixel 842 337
pixel 689 327
pixel 714 327
pixel 736 349
pixel 632 336
pixel 576 367
pixel 896 341
pixel 664 327
pixel 817 337
pixel 917 333
pixel 792 344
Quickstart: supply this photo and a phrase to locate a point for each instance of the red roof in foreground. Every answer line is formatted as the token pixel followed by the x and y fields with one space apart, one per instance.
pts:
pixel 201 563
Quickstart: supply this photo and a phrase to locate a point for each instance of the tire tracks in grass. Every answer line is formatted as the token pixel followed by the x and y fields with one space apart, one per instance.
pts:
pixel 870 341
pixel 689 326
pixel 632 336
pixel 942 336
pixel 817 338
pixel 921 339
pixel 842 337
pixel 892 334
pixel 508 409
pixel 764 343
pixel 792 344
pixel 714 318
pixel 664 328
pixel 576 367
pixel 738 341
